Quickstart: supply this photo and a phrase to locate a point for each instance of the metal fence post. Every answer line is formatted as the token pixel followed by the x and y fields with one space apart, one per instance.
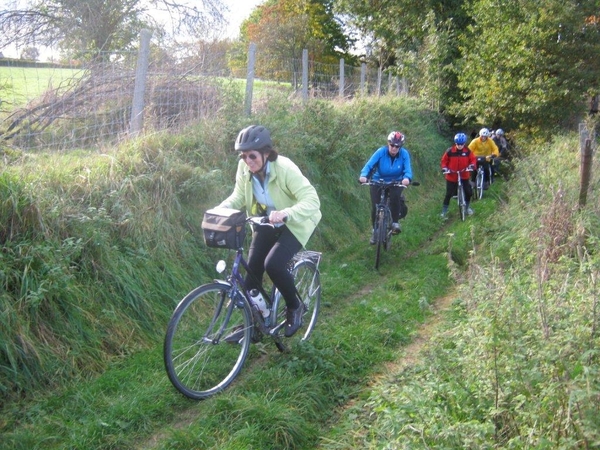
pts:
pixel 136 122
pixel 250 77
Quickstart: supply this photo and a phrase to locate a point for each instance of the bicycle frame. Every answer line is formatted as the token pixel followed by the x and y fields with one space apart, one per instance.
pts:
pixel 238 287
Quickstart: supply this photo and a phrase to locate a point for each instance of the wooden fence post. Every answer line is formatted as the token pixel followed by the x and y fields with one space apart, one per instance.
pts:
pixel 136 122
pixel 342 81
pixel 305 75
pixel 363 77
pixel 585 171
pixel 250 78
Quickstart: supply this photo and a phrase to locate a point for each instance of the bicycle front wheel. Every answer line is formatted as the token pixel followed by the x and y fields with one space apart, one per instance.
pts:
pixel 462 203
pixel 207 341
pixel 479 183
pixel 381 236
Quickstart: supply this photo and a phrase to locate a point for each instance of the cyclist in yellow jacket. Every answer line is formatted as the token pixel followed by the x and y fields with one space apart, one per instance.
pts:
pixel 484 150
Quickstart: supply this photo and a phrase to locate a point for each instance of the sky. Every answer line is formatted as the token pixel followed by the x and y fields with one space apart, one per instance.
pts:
pixel 239 11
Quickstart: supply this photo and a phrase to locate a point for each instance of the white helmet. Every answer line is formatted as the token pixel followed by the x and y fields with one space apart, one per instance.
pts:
pixel 499 131
pixel 484 132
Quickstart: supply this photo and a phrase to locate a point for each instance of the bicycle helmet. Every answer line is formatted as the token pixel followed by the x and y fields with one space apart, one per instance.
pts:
pixel 396 138
pixel 460 138
pixel 484 132
pixel 254 137
pixel 499 132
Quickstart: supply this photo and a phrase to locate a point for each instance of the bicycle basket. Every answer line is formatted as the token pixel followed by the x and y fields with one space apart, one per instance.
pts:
pixel 224 228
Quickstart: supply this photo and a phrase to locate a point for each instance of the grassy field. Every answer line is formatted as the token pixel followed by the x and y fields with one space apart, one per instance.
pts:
pixel 19 85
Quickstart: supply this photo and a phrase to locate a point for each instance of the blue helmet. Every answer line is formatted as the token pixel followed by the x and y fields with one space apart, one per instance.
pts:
pixel 460 138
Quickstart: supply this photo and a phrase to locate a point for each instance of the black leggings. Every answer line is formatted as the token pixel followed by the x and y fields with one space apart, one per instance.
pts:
pixel 271 249
pixel 452 190
pixel 397 204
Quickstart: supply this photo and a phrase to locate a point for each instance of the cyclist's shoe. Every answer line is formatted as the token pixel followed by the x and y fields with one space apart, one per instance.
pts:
pixel 373 240
pixel 469 211
pixel 396 228
pixel 444 216
pixel 294 319
pixel 235 336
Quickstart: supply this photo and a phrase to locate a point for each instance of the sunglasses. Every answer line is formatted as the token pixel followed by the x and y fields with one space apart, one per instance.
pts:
pixel 251 156
pixel 395 146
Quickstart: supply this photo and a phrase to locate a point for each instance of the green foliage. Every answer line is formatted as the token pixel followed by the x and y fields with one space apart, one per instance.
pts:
pixel 527 64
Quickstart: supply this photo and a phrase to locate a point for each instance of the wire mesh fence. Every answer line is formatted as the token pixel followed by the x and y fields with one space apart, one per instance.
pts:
pixel 92 105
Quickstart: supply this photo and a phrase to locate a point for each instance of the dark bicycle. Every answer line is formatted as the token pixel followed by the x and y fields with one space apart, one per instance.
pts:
pixel 209 335
pixel 382 230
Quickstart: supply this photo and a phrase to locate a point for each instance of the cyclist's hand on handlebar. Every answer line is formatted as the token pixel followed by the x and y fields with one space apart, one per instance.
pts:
pixel 471 168
pixel 445 171
pixel 362 180
pixel 278 217
pixel 406 182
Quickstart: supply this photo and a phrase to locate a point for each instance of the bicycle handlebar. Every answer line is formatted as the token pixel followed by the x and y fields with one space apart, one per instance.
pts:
pixel 262 220
pixel 466 169
pixel 389 183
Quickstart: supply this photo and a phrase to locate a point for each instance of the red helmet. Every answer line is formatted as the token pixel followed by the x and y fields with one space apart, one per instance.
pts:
pixel 396 138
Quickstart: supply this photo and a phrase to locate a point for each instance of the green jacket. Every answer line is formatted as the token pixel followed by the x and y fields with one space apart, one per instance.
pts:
pixel 290 191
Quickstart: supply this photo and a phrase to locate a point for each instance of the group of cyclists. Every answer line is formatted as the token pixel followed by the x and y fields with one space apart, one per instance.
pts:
pixel 392 162
pixel 292 205
pixel 486 149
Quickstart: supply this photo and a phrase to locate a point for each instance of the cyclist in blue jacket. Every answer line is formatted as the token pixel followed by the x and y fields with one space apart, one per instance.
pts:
pixel 389 163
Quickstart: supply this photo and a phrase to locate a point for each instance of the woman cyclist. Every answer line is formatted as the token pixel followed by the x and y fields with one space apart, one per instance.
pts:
pixel 389 163
pixel 269 184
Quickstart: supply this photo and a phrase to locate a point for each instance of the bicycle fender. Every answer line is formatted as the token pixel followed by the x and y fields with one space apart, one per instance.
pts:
pixel 223 283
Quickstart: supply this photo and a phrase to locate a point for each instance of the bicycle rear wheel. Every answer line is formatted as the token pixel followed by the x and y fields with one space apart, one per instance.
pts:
pixel 207 341
pixel 308 284
pixel 479 183
pixel 462 203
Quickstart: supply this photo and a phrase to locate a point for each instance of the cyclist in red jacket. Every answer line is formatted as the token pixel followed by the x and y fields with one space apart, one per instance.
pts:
pixel 457 158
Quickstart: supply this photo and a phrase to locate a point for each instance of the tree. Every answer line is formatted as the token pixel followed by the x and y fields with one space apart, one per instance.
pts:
pixel 412 39
pixel 282 29
pixel 94 26
pixel 30 53
pixel 529 64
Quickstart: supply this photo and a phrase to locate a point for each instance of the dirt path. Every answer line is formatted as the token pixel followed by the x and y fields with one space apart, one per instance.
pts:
pixel 412 352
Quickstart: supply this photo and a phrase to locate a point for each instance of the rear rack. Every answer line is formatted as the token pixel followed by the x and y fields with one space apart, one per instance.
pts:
pixel 313 256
